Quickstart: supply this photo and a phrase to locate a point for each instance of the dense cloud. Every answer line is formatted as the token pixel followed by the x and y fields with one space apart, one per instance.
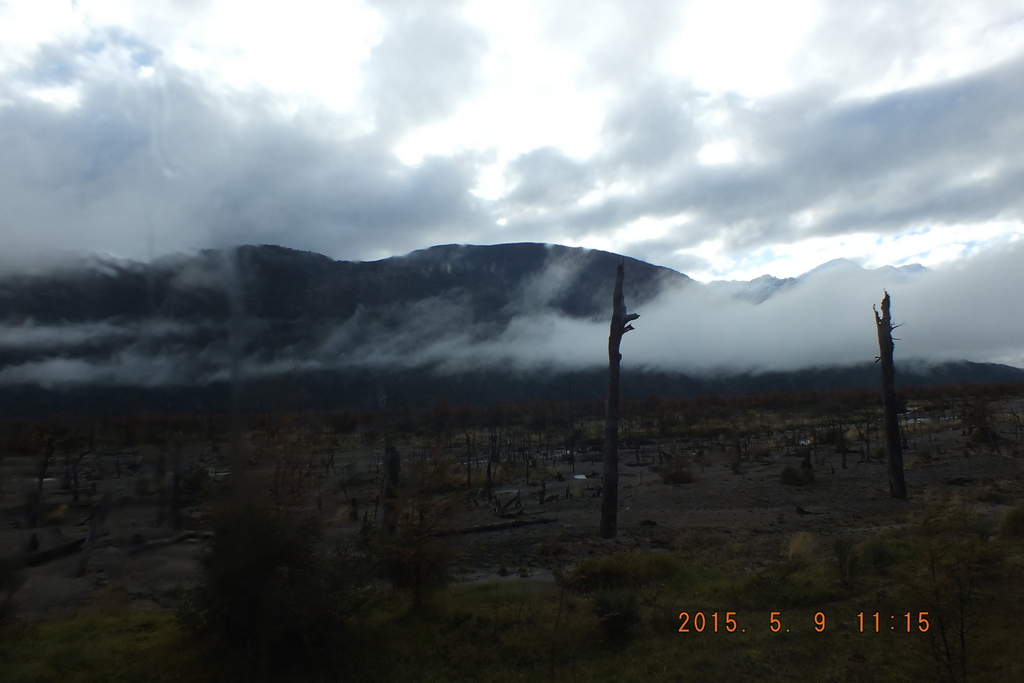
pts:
pixel 809 167
pixel 881 121
pixel 163 164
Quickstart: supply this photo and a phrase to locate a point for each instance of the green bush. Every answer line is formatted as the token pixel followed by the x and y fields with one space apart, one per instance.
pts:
pixel 617 611
pixel 882 552
pixel 269 597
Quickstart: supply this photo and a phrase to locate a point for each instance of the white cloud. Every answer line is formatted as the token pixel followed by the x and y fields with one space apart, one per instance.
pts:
pixel 740 46
pixel 797 132
pixel 718 153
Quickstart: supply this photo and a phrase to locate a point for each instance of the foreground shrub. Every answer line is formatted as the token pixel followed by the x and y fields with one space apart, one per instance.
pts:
pixel 957 585
pixel 414 554
pixel 11 577
pixel 270 597
pixel 617 611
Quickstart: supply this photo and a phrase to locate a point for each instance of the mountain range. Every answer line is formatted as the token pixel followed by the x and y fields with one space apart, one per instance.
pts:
pixel 473 323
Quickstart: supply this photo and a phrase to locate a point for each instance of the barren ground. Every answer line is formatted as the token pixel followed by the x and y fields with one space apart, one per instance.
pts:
pixel 744 518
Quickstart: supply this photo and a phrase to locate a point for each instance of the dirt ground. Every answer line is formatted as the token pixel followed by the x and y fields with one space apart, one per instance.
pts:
pixel 743 513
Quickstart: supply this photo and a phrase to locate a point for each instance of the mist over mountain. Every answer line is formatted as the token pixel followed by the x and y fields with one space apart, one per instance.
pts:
pixel 478 323
pixel 278 283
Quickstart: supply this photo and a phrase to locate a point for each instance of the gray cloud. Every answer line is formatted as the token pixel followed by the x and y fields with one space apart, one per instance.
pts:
pixel 50 337
pixel 651 126
pixel 426 64
pixel 931 155
pixel 166 163
pixel 124 369
pixel 860 45
pixel 199 169
pixel 546 177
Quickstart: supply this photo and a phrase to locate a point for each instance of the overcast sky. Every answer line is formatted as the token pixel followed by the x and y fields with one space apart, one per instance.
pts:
pixel 723 138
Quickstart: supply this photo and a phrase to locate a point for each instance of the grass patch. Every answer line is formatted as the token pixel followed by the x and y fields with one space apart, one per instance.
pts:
pixel 101 646
pixel 785 586
pixel 630 570
pixel 513 631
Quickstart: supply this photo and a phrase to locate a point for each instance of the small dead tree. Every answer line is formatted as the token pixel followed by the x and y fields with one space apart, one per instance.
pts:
pixel 392 473
pixel 76 463
pixel 34 506
pixel 469 461
pixel 619 326
pixel 893 442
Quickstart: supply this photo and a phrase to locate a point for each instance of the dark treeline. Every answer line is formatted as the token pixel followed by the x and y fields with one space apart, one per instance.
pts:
pixel 665 416
pixel 360 389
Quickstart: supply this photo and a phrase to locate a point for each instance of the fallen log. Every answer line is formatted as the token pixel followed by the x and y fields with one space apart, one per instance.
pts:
pixel 514 501
pixel 164 542
pixel 499 526
pixel 43 556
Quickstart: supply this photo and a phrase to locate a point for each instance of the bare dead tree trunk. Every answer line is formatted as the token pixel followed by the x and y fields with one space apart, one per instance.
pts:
pixel 469 462
pixel 160 474
pixel 175 502
pixel 97 517
pixel 76 463
pixel 35 506
pixel 619 326
pixel 893 442
pixel 392 472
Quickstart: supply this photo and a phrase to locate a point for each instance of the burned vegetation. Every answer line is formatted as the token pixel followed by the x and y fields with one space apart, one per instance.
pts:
pixel 357 542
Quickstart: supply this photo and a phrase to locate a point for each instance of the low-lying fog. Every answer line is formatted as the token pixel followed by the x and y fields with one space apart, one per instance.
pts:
pixel 971 311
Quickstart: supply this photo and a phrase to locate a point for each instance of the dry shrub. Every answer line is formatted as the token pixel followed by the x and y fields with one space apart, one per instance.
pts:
pixel 847 561
pixel 952 514
pixel 1011 525
pixel 791 476
pixel 678 474
pixel 803 549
